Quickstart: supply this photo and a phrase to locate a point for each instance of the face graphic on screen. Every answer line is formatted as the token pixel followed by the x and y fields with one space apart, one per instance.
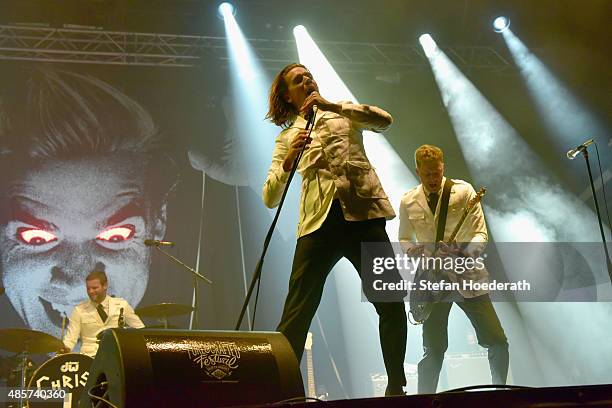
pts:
pixel 84 183
pixel 67 218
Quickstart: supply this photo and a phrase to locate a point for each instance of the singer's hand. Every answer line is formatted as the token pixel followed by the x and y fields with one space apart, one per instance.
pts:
pixel 316 99
pixel 296 145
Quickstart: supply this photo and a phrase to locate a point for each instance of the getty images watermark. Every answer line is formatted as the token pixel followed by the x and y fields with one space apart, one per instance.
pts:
pixel 446 267
pixel 516 271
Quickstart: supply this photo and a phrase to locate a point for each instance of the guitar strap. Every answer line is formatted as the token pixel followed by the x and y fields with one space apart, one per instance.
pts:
pixel 443 209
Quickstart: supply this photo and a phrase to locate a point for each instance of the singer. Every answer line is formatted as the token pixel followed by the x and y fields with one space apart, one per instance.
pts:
pixel 342 204
pixel 99 313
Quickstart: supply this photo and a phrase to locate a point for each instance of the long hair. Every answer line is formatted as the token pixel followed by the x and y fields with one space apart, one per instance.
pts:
pixel 281 112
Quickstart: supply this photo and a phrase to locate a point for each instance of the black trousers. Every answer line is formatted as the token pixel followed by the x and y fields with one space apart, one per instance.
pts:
pixel 489 332
pixel 315 256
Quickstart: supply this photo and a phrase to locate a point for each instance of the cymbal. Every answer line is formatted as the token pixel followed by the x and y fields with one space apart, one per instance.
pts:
pixel 163 310
pixel 30 341
pixel 161 326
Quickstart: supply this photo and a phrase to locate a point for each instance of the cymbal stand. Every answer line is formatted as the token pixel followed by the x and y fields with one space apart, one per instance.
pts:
pixel 195 283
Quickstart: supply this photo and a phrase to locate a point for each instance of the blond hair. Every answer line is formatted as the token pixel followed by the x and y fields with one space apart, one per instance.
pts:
pixel 428 153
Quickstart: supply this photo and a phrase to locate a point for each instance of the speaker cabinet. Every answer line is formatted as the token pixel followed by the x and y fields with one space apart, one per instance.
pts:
pixel 163 368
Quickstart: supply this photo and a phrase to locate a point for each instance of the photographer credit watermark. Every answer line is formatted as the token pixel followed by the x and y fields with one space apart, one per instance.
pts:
pixel 509 271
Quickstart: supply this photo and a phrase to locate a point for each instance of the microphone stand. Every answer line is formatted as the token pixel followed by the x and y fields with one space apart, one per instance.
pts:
pixel 195 282
pixel 257 274
pixel 601 229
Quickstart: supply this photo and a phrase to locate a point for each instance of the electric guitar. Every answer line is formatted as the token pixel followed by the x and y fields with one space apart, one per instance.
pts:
pixel 422 300
pixel 310 367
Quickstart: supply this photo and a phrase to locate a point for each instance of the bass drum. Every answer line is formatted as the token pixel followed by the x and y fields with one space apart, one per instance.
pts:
pixel 67 371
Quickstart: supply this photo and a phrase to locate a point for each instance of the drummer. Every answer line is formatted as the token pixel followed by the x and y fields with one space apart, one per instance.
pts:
pixel 99 313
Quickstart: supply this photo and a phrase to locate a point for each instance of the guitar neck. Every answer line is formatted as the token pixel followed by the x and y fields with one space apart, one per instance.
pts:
pixel 311 381
pixel 459 225
pixel 469 207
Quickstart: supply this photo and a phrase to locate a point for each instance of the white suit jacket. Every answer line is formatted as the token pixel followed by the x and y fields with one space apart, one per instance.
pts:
pixel 85 322
pixel 418 224
pixel 335 165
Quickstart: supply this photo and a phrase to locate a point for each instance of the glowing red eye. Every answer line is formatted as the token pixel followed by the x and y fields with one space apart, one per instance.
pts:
pixel 117 234
pixel 35 236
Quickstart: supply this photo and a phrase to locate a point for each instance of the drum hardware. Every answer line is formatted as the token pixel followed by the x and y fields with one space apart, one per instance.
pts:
pixel 195 310
pixel 162 311
pixel 26 342
pixel 162 326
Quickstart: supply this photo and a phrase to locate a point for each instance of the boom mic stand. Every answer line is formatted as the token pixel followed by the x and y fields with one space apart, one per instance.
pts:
pixel 601 229
pixel 257 274
pixel 195 282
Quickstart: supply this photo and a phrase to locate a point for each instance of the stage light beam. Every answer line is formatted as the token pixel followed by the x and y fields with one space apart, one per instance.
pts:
pixel 519 209
pixel 249 138
pixel 563 113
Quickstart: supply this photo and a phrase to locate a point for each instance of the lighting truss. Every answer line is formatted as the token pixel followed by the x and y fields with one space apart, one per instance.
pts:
pixel 96 46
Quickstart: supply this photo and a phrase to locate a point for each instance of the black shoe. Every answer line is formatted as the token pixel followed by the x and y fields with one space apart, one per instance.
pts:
pixel 393 390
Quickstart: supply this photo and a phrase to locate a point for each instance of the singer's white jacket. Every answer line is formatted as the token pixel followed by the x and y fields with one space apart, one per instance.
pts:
pixel 335 165
pixel 85 322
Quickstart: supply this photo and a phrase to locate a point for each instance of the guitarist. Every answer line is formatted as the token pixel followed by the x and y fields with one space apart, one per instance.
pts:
pixel 420 211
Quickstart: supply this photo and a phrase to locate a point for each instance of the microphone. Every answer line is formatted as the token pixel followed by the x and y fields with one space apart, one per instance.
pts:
pixel 121 321
pixel 155 242
pixel 310 115
pixel 571 154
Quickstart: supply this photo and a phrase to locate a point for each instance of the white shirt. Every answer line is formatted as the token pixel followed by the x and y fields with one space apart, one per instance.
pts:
pixel 86 323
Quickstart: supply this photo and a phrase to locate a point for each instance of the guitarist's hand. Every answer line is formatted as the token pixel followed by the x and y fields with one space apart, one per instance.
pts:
pixel 415 250
pixel 452 250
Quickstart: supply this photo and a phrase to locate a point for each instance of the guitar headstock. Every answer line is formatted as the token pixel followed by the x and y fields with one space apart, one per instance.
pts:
pixel 308 344
pixel 481 192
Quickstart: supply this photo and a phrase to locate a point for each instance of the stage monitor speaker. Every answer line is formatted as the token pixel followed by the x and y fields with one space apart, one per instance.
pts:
pixel 182 368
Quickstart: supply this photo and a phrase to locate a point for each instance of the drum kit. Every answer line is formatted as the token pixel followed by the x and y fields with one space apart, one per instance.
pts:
pixel 26 342
pixel 66 371
pixel 163 311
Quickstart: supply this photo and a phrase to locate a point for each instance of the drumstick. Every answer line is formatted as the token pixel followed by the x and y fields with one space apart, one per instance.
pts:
pixel 63 324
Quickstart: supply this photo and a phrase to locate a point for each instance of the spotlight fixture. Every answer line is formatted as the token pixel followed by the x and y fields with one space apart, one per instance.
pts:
pixel 428 44
pixel 299 30
pixel 227 9
pixel 501 24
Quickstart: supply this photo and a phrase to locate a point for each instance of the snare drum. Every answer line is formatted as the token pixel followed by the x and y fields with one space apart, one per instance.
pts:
pixel 66 371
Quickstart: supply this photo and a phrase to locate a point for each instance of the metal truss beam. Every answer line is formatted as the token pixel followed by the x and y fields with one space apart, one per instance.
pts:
pixel 94 46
